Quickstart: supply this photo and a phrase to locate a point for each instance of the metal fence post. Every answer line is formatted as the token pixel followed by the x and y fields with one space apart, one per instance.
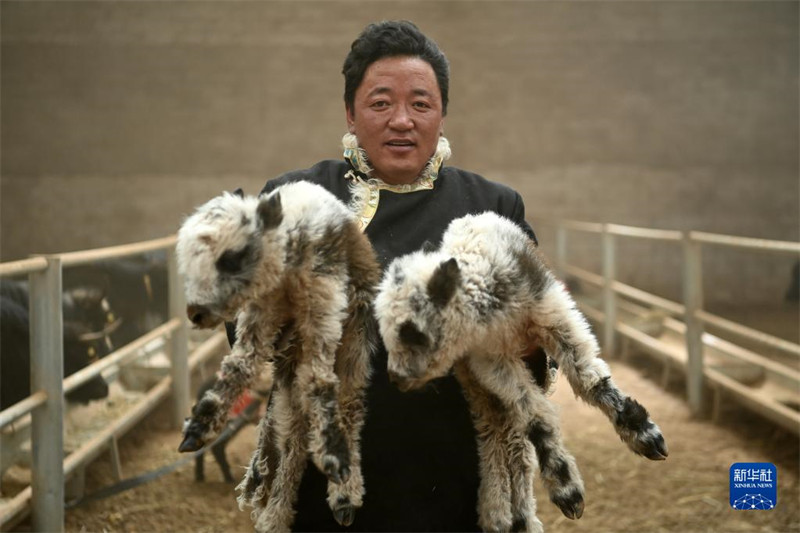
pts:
pixel 561 250
pixel 179 343
pixel 609 296
pixel 47 373
pixel 693 302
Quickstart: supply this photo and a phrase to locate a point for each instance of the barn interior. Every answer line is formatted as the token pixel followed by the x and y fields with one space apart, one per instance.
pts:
pixel 118 118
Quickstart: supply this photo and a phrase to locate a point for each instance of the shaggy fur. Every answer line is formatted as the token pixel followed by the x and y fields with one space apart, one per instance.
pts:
pixel 477 305
pixel 298 276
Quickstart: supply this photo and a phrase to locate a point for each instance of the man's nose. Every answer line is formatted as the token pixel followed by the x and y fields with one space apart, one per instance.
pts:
pixel 401 118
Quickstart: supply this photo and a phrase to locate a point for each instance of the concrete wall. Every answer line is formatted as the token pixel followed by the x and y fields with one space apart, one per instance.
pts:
pixel 119 117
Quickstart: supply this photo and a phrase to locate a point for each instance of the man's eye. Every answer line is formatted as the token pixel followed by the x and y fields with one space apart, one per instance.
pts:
pixel 422 105
pixel 380 103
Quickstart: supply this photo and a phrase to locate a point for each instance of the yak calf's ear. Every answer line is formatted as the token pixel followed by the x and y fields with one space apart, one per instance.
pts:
pixel 270 212
pixel 239 192
pixel 428 247
pixel 444 282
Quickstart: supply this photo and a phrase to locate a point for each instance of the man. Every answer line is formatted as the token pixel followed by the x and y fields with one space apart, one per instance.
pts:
pixel 419 456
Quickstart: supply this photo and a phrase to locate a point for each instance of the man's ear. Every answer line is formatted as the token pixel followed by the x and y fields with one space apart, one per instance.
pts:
pixel 444 282
pixel 270 211
pixel 351 119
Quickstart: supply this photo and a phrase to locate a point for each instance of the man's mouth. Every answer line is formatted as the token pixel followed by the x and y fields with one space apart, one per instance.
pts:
pixel 400 143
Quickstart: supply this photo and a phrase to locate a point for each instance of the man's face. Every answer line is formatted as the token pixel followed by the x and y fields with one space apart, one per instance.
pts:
pixel 397 117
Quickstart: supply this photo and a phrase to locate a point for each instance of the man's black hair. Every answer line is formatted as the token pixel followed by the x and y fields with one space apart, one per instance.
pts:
pixel 389 39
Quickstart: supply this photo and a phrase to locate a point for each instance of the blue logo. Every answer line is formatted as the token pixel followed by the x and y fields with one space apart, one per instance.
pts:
pixel 753 486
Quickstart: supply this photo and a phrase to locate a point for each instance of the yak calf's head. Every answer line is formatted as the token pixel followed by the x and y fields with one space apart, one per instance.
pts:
pixel 418 319
pixel 219 250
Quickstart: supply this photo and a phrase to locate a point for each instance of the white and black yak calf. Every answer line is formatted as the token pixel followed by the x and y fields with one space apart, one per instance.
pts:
pixel 477 305
pixel 298 276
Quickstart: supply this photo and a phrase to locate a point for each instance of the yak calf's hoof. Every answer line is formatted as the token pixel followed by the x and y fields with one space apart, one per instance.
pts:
pixel 193 431
pixel 190 444
pixel 345 515
pixel 642 435
pixel 653 445
pixel 650 443
pixel 571 504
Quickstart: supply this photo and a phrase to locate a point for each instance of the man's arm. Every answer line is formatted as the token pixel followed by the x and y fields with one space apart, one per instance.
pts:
pixel 518 216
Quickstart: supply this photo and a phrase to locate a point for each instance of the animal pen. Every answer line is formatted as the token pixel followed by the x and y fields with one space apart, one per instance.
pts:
pixel 623 315
pixel 44 498
pixel 769 385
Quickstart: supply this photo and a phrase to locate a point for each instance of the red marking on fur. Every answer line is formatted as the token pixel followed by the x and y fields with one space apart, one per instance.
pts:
pixel 241 403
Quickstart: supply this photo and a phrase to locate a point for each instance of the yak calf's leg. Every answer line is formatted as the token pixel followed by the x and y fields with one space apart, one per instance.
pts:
pixel 559 471
pixel 218 450
pixel 254 487
pixel 631 420
pixel 199 471
pixel 506 501
pixel 345 498
pixel 239 370
pixel 567 338
pixel 521 467
pixel 328 444
pixel 491 426
pixel 353 369
pixel 320 334
pixel 282 483
pixel 219 454
pixel 531 414
pixel 318 390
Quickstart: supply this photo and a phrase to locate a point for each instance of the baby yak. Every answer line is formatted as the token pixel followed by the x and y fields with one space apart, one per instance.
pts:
pixel 297 275
pixel 478 304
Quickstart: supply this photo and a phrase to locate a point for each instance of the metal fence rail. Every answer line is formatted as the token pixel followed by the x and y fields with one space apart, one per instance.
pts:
pixel 45 496
pixel 690 310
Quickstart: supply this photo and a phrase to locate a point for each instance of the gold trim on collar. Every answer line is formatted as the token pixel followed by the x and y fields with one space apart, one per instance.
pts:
pixel 365 193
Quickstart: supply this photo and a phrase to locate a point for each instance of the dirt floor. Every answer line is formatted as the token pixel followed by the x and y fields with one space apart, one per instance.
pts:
pixel 624 493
